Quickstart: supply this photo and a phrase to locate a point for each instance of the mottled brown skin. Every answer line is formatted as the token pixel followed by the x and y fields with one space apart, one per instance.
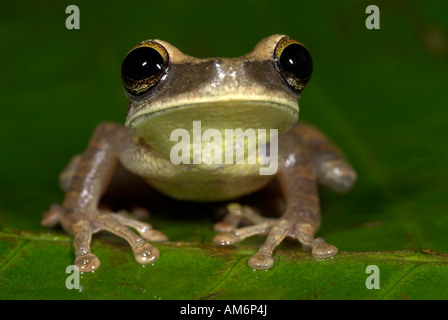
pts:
pixel 306 158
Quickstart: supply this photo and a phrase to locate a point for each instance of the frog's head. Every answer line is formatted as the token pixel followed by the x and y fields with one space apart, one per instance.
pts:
pixel 168 89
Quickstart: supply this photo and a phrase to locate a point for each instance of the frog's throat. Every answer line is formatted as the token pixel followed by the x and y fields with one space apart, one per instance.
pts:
pixel 156 127
pixel 222 114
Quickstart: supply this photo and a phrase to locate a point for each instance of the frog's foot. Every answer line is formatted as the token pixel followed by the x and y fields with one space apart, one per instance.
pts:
pixel 260 225
pixel 118 224
pixel 303 232
pixel 276 229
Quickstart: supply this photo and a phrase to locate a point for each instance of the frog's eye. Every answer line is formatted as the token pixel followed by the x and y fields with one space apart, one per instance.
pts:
pixel 143 67
pixel 294 63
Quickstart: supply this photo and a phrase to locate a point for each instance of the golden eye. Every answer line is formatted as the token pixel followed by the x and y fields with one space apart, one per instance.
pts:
pixel 143 67
pixel 294 62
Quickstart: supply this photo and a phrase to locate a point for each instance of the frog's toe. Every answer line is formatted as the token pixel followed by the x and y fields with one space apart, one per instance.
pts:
pixel 305 234
pixel 154 235
pixel 52 216
pixel 226 238
pixel 321 249
pixel 261 261
pixel 224 226
pixel 231 220
pixel 144 229
pixel 82 232
pixel 146 254
pixel 87 262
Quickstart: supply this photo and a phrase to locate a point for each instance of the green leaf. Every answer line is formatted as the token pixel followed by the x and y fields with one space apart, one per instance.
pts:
pixel 380 94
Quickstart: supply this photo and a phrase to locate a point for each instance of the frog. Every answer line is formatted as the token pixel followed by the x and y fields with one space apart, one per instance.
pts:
pixel 168 89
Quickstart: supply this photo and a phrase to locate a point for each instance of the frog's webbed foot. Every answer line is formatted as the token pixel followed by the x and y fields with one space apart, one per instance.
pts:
pixel 117 223
pixel 276 230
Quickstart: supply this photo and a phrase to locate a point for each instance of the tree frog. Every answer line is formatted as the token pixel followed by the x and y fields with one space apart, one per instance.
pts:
pixel 167 90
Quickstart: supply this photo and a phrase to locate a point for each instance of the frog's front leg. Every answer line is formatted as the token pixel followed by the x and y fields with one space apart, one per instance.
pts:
pixel 301 218
pixel 79 214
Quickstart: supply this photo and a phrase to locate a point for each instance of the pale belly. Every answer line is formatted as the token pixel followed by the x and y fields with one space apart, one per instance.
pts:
pixel 209 186
pixel 195 182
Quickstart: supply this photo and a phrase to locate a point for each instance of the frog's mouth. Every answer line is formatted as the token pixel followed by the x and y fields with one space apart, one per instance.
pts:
pixel 157 127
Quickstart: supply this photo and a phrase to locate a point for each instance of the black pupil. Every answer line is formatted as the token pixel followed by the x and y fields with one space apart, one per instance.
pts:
pixel 296 60
pixel 142 63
